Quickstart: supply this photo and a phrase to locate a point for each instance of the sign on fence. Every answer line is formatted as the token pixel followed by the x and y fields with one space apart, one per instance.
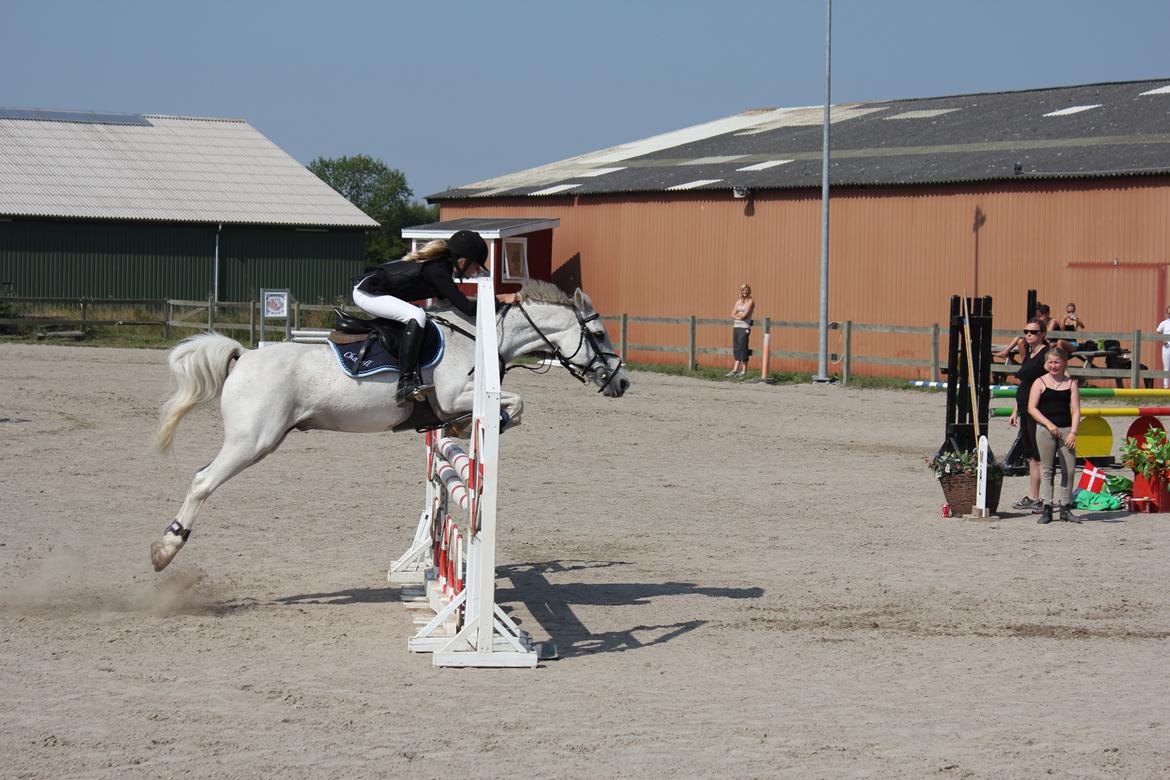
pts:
pixel 274 305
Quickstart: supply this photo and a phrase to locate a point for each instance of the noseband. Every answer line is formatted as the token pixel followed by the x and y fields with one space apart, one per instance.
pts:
pixel 598 363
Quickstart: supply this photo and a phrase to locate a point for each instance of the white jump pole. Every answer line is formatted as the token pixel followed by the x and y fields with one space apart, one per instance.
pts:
pixel 468 628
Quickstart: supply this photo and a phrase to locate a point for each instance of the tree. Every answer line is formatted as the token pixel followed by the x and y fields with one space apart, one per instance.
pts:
pixel 383 194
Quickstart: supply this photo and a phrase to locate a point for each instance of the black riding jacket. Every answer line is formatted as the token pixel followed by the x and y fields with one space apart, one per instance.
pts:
pixel 411 281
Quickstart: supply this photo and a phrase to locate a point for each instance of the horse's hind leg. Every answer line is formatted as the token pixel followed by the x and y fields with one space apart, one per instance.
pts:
pixel 238 452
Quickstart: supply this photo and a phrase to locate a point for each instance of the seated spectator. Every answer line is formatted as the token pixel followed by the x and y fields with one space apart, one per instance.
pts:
pixel 1067 345
pixel 1044 314
pixel 1070 320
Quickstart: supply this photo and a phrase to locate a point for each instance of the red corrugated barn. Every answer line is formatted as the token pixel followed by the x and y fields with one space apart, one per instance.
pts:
pixel 1063 190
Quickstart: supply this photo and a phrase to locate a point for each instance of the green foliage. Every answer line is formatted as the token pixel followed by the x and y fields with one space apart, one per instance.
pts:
pixel 949 462
pixel 383 194
pixel 1150 458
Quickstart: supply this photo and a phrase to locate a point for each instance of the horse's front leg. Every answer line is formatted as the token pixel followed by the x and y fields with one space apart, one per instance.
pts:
pixel 511 407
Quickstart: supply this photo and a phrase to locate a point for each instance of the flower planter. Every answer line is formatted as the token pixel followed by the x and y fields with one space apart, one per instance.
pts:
pixel 960 489
pixel 1156 490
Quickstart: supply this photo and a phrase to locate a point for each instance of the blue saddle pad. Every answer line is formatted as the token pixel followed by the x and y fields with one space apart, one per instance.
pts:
pixel 377 360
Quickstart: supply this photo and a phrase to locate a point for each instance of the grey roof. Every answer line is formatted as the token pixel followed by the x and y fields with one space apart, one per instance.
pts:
pixel 1081 131
pixel 158 168
pixel 488 227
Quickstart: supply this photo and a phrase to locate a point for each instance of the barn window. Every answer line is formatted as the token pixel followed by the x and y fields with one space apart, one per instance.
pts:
pixel 515 259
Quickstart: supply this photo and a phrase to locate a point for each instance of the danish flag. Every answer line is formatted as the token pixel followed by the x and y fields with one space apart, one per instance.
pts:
pixel 1092 478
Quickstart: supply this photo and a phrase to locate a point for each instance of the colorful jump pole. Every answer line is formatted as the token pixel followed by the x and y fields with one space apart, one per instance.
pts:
pixel 1089 411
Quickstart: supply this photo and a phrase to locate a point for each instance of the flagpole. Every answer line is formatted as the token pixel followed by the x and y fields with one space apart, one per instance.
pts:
pixel 823 327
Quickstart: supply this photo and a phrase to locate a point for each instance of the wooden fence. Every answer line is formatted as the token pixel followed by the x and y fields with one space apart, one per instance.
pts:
pixel 845 356
pixel 243 317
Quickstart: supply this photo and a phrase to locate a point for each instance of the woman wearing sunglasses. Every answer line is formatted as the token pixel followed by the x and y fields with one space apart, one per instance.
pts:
pixel 1031 369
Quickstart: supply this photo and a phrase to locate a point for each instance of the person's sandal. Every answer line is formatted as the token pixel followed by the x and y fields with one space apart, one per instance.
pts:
pixel 1023 503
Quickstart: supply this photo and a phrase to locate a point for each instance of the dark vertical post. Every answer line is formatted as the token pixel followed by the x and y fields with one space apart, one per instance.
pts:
pixel 953 374
pixel 847 358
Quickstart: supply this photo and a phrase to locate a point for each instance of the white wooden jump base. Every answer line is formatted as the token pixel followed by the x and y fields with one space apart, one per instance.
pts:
pixel 453 569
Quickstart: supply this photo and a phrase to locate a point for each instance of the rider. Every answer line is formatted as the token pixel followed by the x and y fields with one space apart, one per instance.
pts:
pixel 385 290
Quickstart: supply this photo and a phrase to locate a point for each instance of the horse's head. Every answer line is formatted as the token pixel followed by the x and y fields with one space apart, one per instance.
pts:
pixel 605 365
pixel 573 333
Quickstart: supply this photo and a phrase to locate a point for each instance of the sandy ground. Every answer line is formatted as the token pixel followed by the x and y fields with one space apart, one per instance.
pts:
pixel 743 581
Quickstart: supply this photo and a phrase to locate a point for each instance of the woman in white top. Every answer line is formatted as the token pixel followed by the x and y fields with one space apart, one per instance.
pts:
pixel 1164 328
pixel 741 329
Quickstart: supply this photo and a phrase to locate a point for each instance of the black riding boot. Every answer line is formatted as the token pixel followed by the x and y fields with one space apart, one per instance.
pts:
pixel 410 386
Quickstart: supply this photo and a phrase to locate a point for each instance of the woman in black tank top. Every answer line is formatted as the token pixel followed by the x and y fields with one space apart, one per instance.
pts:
pixel 1031 369
pixel 1055 404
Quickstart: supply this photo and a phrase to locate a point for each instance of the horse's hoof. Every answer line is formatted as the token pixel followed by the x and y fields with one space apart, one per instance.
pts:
pixel 161 555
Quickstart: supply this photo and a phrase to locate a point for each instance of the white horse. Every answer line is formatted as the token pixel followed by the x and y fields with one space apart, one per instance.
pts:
pixel 267 393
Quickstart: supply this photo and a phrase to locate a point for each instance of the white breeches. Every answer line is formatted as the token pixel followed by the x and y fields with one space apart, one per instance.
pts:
pixel 1166 363
pixel 388 306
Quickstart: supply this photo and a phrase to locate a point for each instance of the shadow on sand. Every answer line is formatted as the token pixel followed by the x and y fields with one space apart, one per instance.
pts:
pixel 551 605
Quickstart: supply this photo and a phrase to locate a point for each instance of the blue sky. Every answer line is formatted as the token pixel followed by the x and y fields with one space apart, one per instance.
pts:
pixel 453 92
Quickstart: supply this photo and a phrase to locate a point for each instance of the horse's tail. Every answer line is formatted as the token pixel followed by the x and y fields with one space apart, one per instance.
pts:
pixel 199 367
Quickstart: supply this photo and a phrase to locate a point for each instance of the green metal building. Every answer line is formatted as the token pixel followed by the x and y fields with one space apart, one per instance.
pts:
pixel 145 206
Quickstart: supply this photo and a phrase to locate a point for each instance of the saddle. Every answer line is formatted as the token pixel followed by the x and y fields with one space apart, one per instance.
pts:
pixel 364 347
pixel 349 330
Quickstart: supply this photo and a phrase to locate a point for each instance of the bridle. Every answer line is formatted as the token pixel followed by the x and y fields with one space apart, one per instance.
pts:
pixel 598 364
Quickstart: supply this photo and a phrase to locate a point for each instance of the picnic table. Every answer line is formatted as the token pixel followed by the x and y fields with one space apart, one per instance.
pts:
pixel 1116 361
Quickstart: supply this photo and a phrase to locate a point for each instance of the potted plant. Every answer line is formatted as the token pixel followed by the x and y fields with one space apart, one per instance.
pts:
pixel 1149 457
pixel 957 473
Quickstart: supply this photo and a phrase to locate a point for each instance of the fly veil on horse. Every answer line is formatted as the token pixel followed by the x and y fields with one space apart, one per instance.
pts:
pixel 267 393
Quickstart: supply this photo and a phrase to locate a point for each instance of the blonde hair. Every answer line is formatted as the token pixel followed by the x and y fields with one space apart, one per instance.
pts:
pixel 428 251
pixel 1056 352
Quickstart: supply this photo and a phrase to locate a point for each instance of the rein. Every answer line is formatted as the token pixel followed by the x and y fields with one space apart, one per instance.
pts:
pixel 598 364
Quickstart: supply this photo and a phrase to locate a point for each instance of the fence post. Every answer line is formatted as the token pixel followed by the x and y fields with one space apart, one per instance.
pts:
pixel 934 371
pixel 625 336
pixel 692 363
pixel 1135 360
pixel 211 312
pixel 767 347
pixel 167 312
pixel 84 312
pixel 846 359
pixel 296 314
pixel 252 324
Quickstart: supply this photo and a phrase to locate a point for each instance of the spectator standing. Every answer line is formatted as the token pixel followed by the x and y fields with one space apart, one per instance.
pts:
pixel 1031 369
pixel 1164 328
pixel 741 330
pixel 1054 402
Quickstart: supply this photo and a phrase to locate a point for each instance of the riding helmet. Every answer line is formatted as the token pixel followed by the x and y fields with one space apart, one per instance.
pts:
pixel 470 245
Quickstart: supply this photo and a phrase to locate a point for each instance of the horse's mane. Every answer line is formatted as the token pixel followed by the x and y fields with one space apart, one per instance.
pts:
pixel 537 291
